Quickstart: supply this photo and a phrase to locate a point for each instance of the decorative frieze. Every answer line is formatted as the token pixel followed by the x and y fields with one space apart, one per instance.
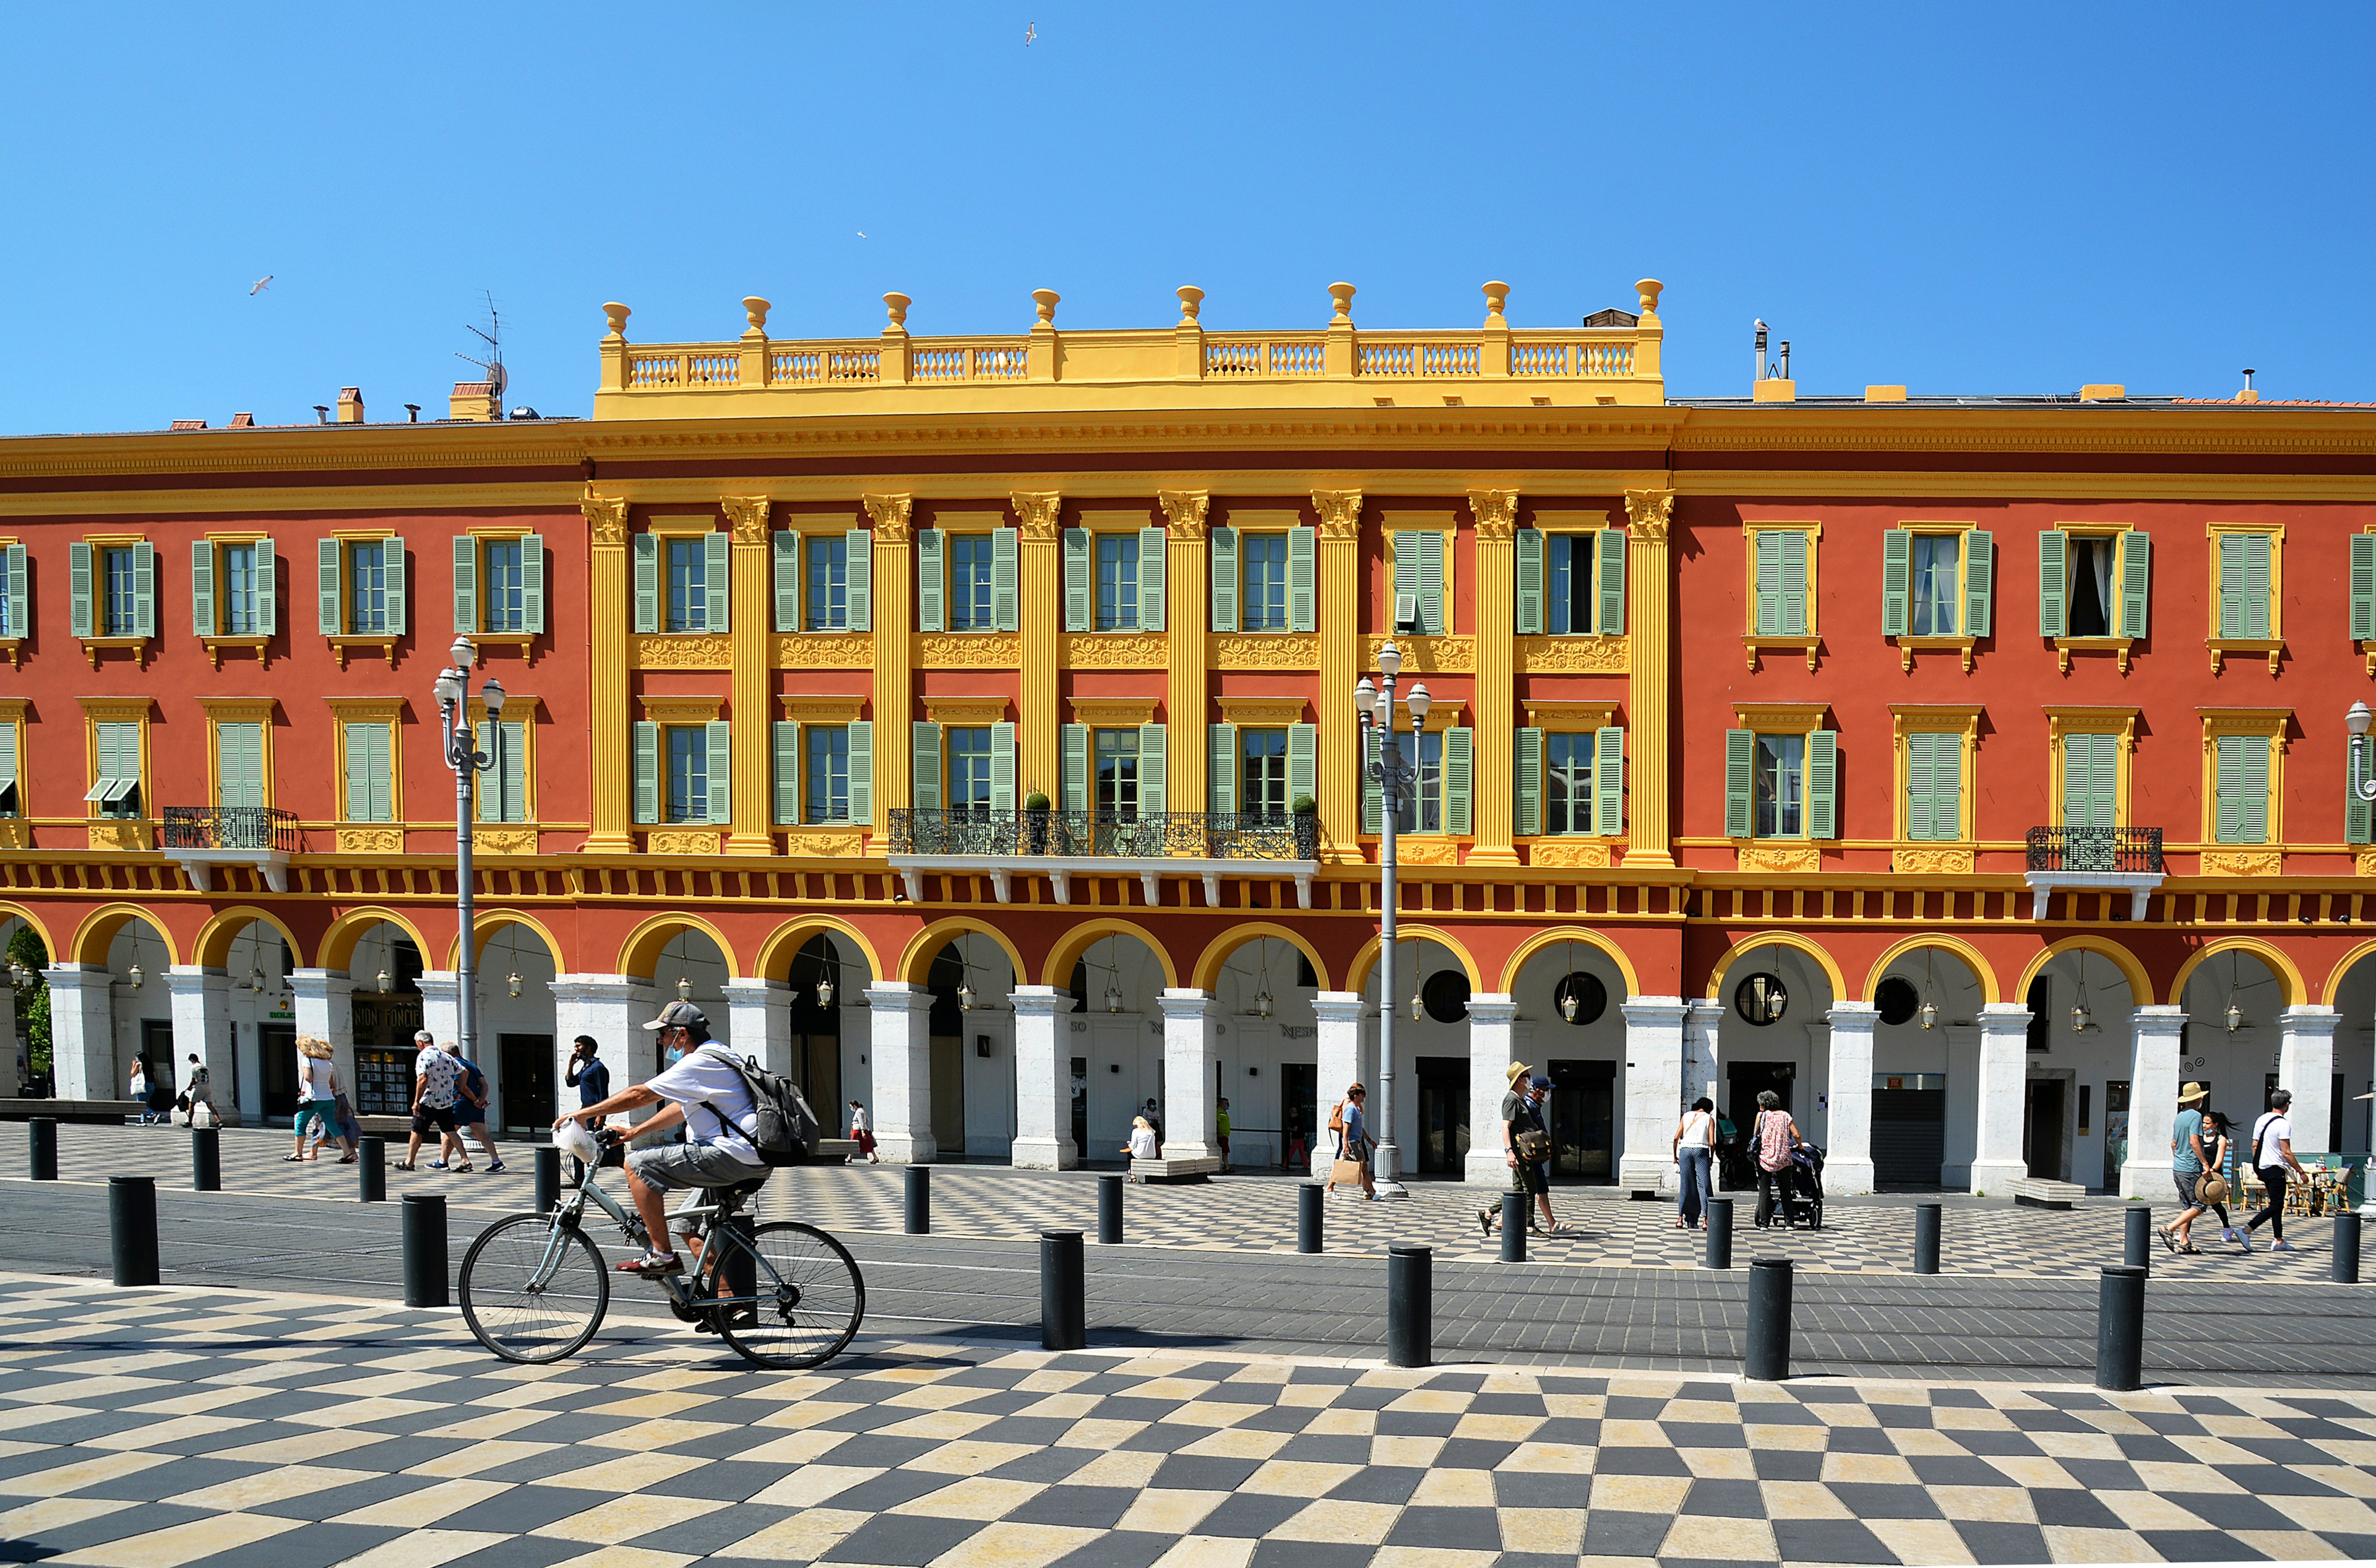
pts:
pixel 1574 655
pixel 681 841
pixel 489 840
pixel 1115 650
pixel 681 651
pixel 2242 862
pixel 353 841
pixel 1796 859
pixel 1264 650
pixel 1930 863
pixel 1573 854
pixel 1428 656
pixel 825 650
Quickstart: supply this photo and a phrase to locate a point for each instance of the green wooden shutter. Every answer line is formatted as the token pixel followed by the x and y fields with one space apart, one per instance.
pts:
pixel 20 598
pixel 368 794
pixel 487 789
pixel 1739 783
pixel 1979 583
pixel 1302 579
pixel 717 743
pixel 2253 811
pixel 1527 760
pixel 1005 580
pixel 1001 768
pixel 717 581
pixel 787 734
pixel 1225 580
pixel 647 772
pixel 2258 616
pixel 2228 783
pixel 1794 584
pixel 1769 583
pixel 2232 611
pixel 1919 786
pixel 531 582
pixel 1430 584
pixel 1610 567
pixel 1459 781
pixel 2358 814
pixel 12 797
pixel 144 589
pixel 1823 784
pixel 2136 579
pixel 511 767
pixel 78 588
pixel 1609 781
pixel 1075 746
pixel 858 581
pixel 787 582
pixel 1406 552
pixel 648 586
pixel 1896 580
pixel 2091 780
pixel 1221 770
pixel 2053 580
pixel 1947 787
pixel 1530 583
pixel 239 764
pixel 1303 763
pixel 202 585
pixel 932 581
pixel 465 583
pixel 1078 598
pixel 925 743
pixel 393 554
pixel 862 772
pixel 1153 768
pixel 1372 808
pixel 2363 587
pixel 1150 581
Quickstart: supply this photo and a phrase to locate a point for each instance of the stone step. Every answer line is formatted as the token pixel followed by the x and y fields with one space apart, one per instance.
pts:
pixel 2039 1192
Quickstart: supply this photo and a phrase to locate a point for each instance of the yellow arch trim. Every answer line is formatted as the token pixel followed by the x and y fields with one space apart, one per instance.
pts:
pixel 1087 934
pixel 1357 975
pixel 486 922
pixel 2334 980
pixel 212 949
pixel 644 945
pixel 49 942
pixel 1218 952
pixel 98 929
pixel 2141 991
pixel 1778 939
pixel 1959 947
pixel 1581 937
pixel 339 943
pixel 787 939
pixel 916 962
pixel 2289 976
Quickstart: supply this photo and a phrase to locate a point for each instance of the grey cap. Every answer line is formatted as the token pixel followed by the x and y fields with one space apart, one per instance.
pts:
pixel 684 1015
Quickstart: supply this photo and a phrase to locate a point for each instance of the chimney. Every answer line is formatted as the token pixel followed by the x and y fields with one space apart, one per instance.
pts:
pixel 2248 395
pixel 472 401
pixel 189 424
pixel 242 422
pixel 350 405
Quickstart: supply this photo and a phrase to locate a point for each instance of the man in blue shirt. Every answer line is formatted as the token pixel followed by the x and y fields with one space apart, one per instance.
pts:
pixel 591 1077
pixel 2186 1165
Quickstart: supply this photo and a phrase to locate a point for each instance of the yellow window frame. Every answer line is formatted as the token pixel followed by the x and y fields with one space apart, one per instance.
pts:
pixel 371 710
pixel 220 711
pixel 1907 718
pixel 1753 644
pixel 2269 723
pixel 1962 641
pixel 2121 641
pixel 2062 721
pixel 97 711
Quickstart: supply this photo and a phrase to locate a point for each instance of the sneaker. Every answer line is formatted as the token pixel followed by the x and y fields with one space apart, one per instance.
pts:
pixel 653 1263
pixel 496 1166
pixel 2240 1240
pixel 2281 1246
pixel 436 1165
pixel 1485 1221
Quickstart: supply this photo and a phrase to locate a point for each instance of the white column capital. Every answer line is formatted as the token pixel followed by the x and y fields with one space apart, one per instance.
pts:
pixel 75 977
pixel 2310 1020
pixel 897 996
pixel 753 987
pixel 2005 1017
pixel 1860 1015
pixel 1493 1008
pixel 1039 1001
pixel 1703 1009
pixel 1181 1003
pixel 1653 1009
pixel 184 978
pixel 1339 1006
pixel 2165 1020
pixel 597 988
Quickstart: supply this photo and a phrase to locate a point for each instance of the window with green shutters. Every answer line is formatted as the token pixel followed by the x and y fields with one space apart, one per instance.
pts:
pixel 2363 587
pixel 239 764
pixel 1264 581
pixel 16 598
pixel 1781 786
pixel 371 777
pixel 823 582
pixel 12 790
pixel 1934 784
pixel 115 769
pixel 1570 781
pixel 233 589
pixel 2094 585
pixel 499 585
pixel 1442 798
pixel 2091 781
pixel 1419 582
pixel 112 589
pixel 1781 566
pixel 2359 763
pixel 1261 764
pixel 503 789
pixel 684 773
pixel 2246 609
pixel 2240 783
pixel 688 773
pixel 972 603
pixel 822 773
pixel 1938 584
pixel 1570 583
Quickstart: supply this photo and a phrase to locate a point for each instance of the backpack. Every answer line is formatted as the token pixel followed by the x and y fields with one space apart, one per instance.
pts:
pixel 1336 1117
pixel 787 1129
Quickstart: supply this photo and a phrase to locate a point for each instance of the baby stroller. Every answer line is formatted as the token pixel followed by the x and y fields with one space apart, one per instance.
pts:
pixel 1798 1194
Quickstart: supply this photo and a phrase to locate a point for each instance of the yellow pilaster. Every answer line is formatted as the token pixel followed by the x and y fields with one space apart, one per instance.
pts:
pixel 1040 561
pixel 894 584
pixel 1340 666
pixel 1497 517
pixel 1649 634
pixel 1186 617
pixel 752 623
pixel 606 589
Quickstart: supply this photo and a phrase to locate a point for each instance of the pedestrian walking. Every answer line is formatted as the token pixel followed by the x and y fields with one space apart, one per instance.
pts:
pixel 1352 1130
pixel 319 1075
pixel 2186 1168
pixel 140 1091
pixel 199 1090
pixel 861 1134
pixel 1694 1157
pixel 591 1077
pixel 436 1084
pixel 1526 1150
pixel 1141 1145
pixel 1221 1128
pixel 1772 1137
pixel 2272 1157
pixel 470 1109
pixel 2218 1173
pixel 1298 1146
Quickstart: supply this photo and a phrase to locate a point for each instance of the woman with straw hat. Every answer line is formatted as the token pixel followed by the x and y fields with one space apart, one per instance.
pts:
pixel 2187 1165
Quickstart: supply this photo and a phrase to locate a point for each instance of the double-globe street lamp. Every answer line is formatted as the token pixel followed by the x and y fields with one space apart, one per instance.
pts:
pixel 2363 789
pixel 463 755
pixel 1394 780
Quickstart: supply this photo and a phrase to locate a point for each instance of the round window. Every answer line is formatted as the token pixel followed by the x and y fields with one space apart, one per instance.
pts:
pixel 1581 998
pixel 1761 999
pixel 1897 1000
pixel 1445 996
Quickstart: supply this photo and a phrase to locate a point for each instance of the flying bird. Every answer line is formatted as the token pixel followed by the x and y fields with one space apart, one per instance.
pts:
pixel 1029 33
pixel 261 284
pixel 861 233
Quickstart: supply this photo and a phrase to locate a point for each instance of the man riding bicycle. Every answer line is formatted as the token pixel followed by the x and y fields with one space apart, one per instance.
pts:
pixel 703 1091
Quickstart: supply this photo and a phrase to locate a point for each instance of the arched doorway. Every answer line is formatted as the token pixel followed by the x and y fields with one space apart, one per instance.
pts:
pixel 385 1009
pixel 1570 1028
pixel 2078 1086
pixel 1265 1047
pixel 824 1022
pixel 1113 1039
pixel 24 954
pixel 1924 1069
pixel 518 1048
pixel 2233 1042
pixel 1426 1108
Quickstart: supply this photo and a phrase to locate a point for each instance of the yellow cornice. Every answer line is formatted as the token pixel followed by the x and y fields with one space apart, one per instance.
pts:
pixel 1108 713
pixel 117 710
pixel 1260 712
pixel 824 710
pixel 1780 717
pixel 681 710
pixel 367 710
pixel 240 710
pixel 967 710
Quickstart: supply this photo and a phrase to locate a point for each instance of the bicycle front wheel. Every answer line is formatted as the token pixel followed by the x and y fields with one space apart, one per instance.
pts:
pixel 533 1294
pixel 811 1298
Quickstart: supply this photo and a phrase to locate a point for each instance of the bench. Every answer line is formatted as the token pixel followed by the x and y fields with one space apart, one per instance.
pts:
pixel 2039 1192
pixel 1172 1170
pixel 109 1112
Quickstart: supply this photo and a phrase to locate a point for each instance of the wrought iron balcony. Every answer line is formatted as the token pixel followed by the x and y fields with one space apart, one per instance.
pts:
pixel 2099 858
pixel 202 838
pixel 1056 844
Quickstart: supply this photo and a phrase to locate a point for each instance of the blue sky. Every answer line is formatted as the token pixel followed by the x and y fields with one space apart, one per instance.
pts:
pixel 1990 199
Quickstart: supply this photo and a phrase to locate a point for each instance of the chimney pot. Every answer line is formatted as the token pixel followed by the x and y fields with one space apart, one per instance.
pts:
pixel 350 405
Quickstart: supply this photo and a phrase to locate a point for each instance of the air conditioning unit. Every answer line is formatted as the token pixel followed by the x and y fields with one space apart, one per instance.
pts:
pixel 1407 613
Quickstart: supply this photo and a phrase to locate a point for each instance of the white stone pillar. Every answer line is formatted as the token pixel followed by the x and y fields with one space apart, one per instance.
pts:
pixel 1188 1129
pixel 325 1005
pixel 612 1009
pixel 1847 1158
pixel 202 1027
pixel 2305 1065
pixel 1957 1148
pixel 1493 1047
pixel 2001 1094
pixel 1702 1049
pixel 8 1043
pixel 759 1023
pixel 1654 1086
pixel 1337 1016
pixel 2152 1103
pixel 441 1005
pixel 1044 1081
pixel 903 1072
pixel 82 1032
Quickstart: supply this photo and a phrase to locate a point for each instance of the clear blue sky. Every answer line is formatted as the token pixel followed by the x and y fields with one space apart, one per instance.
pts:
pixel 1991 198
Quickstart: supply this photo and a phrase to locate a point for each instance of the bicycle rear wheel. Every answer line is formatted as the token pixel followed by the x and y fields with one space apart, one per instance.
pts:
pixel 811 1298
pixel 512 1314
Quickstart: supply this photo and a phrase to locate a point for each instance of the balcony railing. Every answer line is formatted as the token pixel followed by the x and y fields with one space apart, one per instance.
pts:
pixel 2135 850
pixel 1216 835
pixel 231 828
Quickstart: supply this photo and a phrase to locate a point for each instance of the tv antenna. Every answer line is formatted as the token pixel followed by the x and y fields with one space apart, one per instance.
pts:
pixel 493 363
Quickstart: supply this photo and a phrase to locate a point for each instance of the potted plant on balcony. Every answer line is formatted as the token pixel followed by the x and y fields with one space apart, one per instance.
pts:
pixel 1306 812
pixel 1035 823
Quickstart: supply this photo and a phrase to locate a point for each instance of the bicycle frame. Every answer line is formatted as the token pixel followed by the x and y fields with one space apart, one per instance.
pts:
pixel 713 1262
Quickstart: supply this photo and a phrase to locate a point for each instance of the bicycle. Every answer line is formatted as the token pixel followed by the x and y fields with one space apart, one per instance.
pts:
pixel 534 1287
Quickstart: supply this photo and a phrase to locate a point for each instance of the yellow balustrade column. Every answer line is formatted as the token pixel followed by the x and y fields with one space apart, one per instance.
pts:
pixel 1040 560
pixel 894 586
pixel 610 762
pixel 1493 605
pixel 1650 636
pixel 1340 666
pixel 1186 617
pixel 752 638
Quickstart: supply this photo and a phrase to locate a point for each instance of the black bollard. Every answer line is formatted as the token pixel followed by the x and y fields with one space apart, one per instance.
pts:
pixel 371 1169
pixel 1308 1199
pixel 424 1250
pixel 2346 1247
pixel 919 1200
pixel 206 1161
pixel 1110 1211
pixel 548 1180
pixel 43 1133
pixel 132 1226
pixel 1925 1238
pixel 1064 1309
pixel 2120 1329
pixel 1409 1284
pixel 1768 1357
pixel 1719 1234
pixel 2136 1237
pixel 1513 1228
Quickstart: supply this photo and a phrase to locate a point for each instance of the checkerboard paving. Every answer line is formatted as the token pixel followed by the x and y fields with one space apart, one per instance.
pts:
pixel 155 1429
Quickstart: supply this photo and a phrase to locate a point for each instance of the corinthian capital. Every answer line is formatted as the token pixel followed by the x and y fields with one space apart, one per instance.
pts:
pixel 1037 510
pixel 1186 510
pixel 1497 514
pixel 892 517
pixel 606 519
pixel 1650 511
pixel 1340 513
pixel 747 515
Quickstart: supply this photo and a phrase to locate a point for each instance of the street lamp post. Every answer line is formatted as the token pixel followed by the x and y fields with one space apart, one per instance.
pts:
pixel 2363 787
pixel 1394 780
pixel 463 755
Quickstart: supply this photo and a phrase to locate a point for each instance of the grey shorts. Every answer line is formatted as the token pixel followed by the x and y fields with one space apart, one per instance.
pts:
pixel 2185 1184
pixel 676 1166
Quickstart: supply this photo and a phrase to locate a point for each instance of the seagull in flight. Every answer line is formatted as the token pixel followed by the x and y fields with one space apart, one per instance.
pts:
pixel 861 233
pixel 1029 33
pixel 261 284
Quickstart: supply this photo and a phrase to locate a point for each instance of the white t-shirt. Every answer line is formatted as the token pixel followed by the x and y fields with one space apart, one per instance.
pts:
pixel 440 1075
pixel 1699 1130
pixel 318 1077
pixel 2269 1138
pixel 1142 1143
pixel 857 1120
pixel 705 1076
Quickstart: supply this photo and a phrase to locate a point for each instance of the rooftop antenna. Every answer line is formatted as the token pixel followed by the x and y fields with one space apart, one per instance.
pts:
pixel 493 363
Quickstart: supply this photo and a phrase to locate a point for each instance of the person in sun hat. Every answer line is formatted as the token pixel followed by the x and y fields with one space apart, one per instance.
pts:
pixel 1522 1114
pixel 2186 1157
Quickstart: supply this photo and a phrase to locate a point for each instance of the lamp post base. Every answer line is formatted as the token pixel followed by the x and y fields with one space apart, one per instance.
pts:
pixel 1387 1187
